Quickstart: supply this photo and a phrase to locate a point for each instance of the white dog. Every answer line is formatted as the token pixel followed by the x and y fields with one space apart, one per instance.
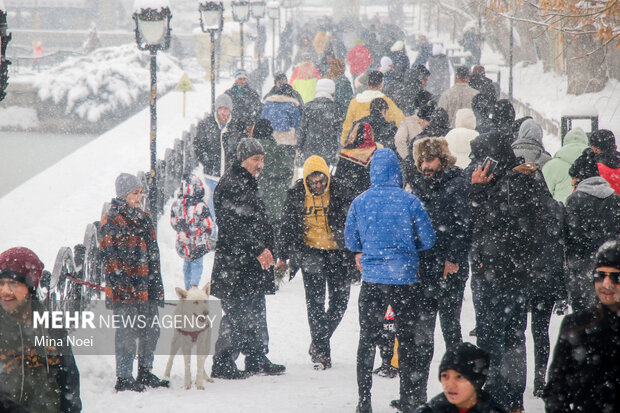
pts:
pixel 193 304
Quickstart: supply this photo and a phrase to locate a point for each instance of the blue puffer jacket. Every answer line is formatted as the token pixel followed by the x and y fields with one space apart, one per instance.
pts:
pixel 282 112
pixel 388 225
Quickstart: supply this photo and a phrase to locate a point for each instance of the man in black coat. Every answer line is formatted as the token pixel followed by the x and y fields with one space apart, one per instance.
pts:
pixel 245 100
pixel 312 239
pixel 321 123
pixel 584 375
pixel 216 138
pixel 383 130
pixel 509 209
pixel 592 217
pixel 444 268
pixel 242 273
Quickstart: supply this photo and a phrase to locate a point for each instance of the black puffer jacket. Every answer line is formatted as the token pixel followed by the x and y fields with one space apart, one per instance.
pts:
pixel 383 130
pixel 584 375
pixel 244 233
pixel 439 404
pixel 592 217
pixel 292 231
pixel 445 198
pixel 42 379
pixel 320 129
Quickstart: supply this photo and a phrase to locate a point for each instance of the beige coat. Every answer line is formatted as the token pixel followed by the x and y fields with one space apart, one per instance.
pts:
pixel 408 130
pixel 457 97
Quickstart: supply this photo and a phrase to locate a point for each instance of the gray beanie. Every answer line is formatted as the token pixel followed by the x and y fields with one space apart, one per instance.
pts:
pixel 125 184
pixel 223 100
pixel 249 147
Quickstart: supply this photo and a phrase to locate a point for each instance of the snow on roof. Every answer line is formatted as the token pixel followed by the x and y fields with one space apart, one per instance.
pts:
pixel 579 110
pixel 150 4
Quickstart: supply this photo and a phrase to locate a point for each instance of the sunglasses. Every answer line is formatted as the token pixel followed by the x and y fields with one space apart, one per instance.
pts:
pixel 599 276
pixel 315 182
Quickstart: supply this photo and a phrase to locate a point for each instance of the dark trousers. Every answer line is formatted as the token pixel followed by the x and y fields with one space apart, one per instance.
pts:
pixel 501 332
pixel 541 307
pixel 243 329
pixel 126 336
pixel 373 301
pixel 581 294
pixel 321 269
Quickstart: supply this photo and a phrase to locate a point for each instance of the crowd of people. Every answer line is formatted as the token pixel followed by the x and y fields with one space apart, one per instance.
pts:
pixel 408 186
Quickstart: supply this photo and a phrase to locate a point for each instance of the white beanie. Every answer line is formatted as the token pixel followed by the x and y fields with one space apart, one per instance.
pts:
pixel 386 62
pixel 437 49
pixel 325 88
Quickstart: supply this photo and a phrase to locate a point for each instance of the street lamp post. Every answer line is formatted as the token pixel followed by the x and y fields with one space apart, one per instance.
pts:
pixel 4 42
pixel 258 8
pixel 273 12
pixel 153 34
pixel 241 14
pixel 212 21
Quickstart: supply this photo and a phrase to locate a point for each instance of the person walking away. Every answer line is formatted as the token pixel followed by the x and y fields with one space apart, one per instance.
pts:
pixel 603 143
pixel 406 95
pixel 459 139
pixel 191 219
pixel 481 83
pixel 312 239
pixel 584 375
pixel 320 124
pixel 246 101
pixel 134 287
pixel 33 378
pixel 383 130
pixel 439 66
pixel 481 105
pixel 463 371
pixel 278 172
pixel 305 76
pixel 458 96
pixel 281 107
pixel 242 270
pixel 383 216
pixel 360 105
pixel 354 159
pixel 556 169
pixel 343 93
pixel 592 217
pixel 359 58
pixel 529 144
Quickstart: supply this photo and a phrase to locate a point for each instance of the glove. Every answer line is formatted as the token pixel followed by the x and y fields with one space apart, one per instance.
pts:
pixel 561 307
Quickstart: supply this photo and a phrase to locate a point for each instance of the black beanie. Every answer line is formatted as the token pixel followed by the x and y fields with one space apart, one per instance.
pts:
pixel 608 255
pixel 603 139
pixel 470 361
pixel 426 110
pixel 249 147
pixel 262 129
pixel 585 166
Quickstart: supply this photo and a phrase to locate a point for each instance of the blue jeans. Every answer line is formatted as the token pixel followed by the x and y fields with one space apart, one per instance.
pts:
pixel 192 269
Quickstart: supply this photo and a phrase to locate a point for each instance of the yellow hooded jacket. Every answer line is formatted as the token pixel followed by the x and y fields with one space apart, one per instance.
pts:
pixel 317 233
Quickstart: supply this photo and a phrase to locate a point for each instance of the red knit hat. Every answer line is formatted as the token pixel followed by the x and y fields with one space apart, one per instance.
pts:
pixel 21 264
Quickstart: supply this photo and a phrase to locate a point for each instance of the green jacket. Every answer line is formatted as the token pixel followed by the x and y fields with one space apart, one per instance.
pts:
pixel 556 170
pixel 276 178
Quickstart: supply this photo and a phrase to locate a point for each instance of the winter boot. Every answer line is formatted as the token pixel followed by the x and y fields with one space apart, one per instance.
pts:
pixel 395 404
pixel 260 364
pixel 319 362
pixel 386 370
pixel 146 378
pixel 129 383
pixel 227 370
pixel 364 405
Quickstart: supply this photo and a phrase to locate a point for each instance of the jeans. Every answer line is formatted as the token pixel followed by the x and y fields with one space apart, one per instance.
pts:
pixel 243 329
pixel 192 269
pixel 321 269
pixel 373 301
pixel 126 336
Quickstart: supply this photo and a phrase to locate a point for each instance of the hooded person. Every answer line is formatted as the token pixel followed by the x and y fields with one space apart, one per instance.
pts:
pixel 243 267
pixel 592 217
pixel 459 139
pixel 37 378
pixel 555 170
pixel 481 105
pixel 312 239
pixel 512 211
pixel 603 143
pixel 529 144
pixel 463 371
pixel 383 216
pixel 320 124
pixel 406 94
pixel 278 172
pixel 502 117
pixel 355 156
pixel 359 58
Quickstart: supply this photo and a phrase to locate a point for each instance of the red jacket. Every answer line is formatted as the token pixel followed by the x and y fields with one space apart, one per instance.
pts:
pixel 609 168
pixel 359 59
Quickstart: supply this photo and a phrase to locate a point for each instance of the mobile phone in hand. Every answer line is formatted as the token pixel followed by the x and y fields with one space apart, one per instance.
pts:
pixel 493 165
